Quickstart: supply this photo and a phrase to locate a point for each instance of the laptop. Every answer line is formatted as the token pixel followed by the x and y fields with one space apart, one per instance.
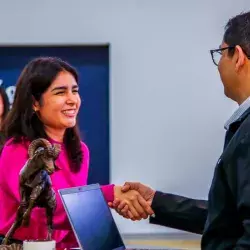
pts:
pixel 91 219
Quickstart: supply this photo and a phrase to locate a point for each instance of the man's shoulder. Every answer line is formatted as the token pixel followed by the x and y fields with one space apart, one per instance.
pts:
pixel 239 144
pixel 243 130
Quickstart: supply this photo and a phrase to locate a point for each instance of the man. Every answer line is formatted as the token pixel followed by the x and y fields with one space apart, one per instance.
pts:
pixel 223 220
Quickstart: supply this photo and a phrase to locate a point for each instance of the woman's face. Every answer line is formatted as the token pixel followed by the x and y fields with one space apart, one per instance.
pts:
pixel 60 103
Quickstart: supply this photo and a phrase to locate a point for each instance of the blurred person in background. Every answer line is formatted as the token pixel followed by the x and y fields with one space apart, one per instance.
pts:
pixel 4 109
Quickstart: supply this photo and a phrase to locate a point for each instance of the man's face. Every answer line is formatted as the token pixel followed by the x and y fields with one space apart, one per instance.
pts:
pixel 228 72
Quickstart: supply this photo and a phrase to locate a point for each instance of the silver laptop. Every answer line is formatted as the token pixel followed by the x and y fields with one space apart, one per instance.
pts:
pixel 91 219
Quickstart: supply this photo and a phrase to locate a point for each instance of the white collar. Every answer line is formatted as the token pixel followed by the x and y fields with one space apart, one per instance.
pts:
pixel 238 113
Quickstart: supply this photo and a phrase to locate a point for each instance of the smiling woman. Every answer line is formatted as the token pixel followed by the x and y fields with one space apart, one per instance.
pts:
pixel 46 105
pixel 60 106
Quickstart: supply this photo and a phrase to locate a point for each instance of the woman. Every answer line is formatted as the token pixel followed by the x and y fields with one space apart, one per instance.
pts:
pixel 46 105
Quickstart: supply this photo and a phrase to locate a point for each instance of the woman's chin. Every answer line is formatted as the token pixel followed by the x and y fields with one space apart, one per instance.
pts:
pixel 70 125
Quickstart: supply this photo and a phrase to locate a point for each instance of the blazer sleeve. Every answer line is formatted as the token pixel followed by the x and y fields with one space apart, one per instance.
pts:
pixel 179 212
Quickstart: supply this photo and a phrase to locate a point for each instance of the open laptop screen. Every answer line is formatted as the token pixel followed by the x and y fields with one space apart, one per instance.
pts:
pixel 91 219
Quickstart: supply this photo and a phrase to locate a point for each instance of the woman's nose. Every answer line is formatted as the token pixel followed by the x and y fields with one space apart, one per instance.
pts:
pixel 71 98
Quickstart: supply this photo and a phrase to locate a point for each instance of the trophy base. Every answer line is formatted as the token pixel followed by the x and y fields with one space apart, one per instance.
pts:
pixel 39 245
pixel 11 247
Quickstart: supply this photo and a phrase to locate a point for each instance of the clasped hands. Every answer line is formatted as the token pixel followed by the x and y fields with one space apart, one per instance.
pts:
pixel 133 201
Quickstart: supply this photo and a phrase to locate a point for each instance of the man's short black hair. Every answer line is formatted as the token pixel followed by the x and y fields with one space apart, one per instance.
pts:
pixel 237 32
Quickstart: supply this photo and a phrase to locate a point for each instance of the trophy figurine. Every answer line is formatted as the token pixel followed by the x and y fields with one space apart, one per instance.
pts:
pixel 35 188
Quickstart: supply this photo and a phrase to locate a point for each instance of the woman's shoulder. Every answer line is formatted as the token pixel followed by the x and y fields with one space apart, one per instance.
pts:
pixel 85 152
pixel 84 145
pixel 13 154
pixel 85 148
pixel 11 146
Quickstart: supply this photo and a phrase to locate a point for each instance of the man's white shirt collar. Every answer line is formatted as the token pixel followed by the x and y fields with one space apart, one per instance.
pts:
pixel 238 113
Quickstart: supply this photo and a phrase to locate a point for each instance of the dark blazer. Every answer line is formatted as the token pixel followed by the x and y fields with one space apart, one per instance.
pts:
pixel 223 220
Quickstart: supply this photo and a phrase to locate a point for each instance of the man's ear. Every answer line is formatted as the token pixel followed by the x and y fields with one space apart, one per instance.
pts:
pixel 240 57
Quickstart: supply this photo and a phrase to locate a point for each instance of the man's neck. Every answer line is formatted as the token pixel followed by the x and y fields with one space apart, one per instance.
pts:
pixel 242 91
pixel 242 95
pixel 241 100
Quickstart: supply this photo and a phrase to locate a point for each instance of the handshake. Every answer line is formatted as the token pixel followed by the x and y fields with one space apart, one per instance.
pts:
pixel 133 201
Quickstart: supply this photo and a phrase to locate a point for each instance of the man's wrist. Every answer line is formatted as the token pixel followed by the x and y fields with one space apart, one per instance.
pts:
pixel 152 198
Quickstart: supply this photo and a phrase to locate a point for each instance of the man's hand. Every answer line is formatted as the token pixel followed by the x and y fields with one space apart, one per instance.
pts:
pixel 134 206
pixel 137 205
pixel 146 192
